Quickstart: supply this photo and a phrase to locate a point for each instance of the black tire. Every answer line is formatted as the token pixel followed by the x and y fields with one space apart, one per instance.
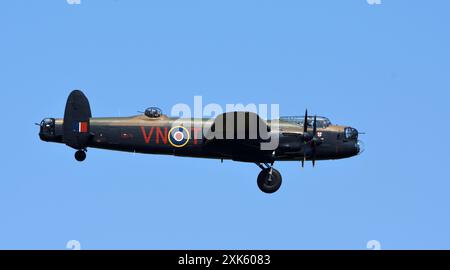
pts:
pixel 80 155
pixel 267 186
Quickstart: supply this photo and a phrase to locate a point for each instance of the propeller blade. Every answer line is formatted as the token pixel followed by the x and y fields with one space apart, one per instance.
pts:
pixel 314 155
pixel 305 123
pixel 314 126
pixel 313 145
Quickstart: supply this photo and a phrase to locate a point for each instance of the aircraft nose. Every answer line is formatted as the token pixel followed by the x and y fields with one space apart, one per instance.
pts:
pixel 360 147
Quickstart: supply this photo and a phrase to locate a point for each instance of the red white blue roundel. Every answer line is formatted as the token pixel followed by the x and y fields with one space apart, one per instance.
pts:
pixel 179 136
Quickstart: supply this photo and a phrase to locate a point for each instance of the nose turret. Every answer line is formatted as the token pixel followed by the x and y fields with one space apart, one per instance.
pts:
pixel 350 145
pixel 351 133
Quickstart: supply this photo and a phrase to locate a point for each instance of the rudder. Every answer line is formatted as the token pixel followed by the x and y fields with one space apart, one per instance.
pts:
pixel 76 120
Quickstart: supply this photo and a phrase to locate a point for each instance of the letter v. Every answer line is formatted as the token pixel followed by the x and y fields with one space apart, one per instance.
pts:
pixel 144 133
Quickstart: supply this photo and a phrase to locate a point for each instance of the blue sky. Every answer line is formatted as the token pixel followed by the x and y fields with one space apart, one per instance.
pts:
pixel 384 69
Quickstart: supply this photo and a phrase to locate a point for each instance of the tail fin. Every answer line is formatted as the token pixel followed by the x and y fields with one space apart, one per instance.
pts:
pixel 76 120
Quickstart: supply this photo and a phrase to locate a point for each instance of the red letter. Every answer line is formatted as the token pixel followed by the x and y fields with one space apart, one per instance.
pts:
pixel 147 138
pixel 163 136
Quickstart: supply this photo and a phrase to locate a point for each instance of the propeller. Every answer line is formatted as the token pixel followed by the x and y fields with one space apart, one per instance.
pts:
pixel 311 138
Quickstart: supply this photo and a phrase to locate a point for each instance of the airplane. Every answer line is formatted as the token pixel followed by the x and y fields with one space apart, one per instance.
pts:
pixel 300 138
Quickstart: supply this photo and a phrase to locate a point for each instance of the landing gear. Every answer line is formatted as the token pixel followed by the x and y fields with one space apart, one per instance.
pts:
pixel 269 179
pixel 80 155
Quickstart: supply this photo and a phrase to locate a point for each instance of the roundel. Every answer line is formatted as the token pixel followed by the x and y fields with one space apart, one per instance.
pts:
pixel 179 136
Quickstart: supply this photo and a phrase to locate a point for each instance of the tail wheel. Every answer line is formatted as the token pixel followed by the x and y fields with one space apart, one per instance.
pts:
pixel 80 155
pixel 269 180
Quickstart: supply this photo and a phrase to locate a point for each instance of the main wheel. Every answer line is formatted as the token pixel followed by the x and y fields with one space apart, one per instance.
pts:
pixel 80 155
pixel 269 183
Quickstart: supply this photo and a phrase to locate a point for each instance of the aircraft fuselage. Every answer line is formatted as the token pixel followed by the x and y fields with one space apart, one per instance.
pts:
pixel 141 134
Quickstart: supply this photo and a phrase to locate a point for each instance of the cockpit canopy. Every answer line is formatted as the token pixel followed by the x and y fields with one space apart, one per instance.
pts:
pixel 153 112
pixel 322 122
